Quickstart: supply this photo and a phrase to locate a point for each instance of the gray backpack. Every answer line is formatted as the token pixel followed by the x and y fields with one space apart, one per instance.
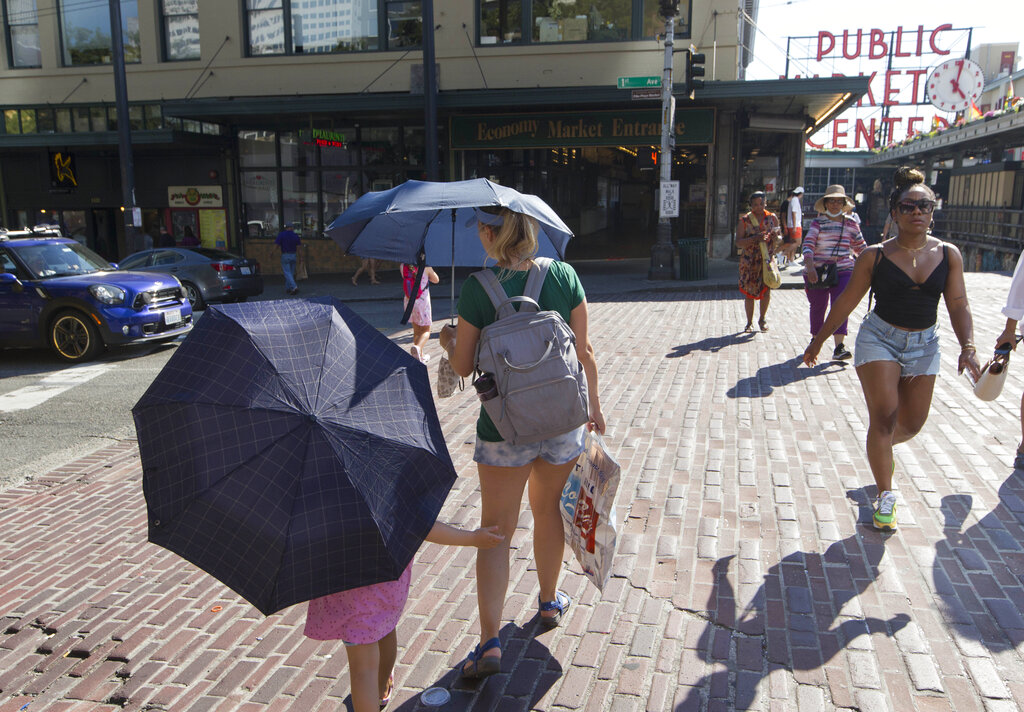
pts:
pixel 541 387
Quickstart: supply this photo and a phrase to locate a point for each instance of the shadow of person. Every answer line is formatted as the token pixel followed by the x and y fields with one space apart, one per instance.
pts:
pixel 712 344
pixel 528 672
pixel 767 378
pixel 976 573
pixel 791 621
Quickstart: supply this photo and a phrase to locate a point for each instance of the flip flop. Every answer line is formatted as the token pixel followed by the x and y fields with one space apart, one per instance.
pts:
pixel 480 667
pixel 387 696
pixel 748 329
pixel 762 325
pixel 560 605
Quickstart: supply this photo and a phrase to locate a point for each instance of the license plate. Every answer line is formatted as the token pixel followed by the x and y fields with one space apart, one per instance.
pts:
pixel 245 270
pixel 172 316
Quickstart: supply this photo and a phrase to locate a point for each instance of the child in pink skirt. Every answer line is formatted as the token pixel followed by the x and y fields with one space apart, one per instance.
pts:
pixel 421 317
pixel 365 618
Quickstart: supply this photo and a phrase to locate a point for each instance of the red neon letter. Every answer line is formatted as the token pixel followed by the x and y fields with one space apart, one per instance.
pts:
pixel 846 37
pixel 899 44
pixel 812 144
pixel 931 38
pixel 889 89
pixel 916 74
pixel 911 121
pixel 878 47
pixel 831 43
pixel 837 134
pixel 870 94
pixel 867 133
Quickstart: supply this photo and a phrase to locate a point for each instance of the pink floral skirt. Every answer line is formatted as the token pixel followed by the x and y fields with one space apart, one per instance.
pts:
pixel 361 615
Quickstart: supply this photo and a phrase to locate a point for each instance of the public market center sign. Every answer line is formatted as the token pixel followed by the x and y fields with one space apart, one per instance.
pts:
pixel 595 128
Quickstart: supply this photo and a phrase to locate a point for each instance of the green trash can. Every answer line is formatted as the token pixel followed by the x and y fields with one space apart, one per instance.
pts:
pixel 693 259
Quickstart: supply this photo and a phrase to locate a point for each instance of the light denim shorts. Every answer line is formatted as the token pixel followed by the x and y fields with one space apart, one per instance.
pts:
pixel 917 352
pixel 557 450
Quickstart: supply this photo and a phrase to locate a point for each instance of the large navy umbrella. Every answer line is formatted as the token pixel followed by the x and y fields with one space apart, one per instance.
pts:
pixel 425 222
pixel 291 450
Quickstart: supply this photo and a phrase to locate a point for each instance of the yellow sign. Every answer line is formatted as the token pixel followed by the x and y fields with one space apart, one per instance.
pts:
pixel 195 196
pixel 213 228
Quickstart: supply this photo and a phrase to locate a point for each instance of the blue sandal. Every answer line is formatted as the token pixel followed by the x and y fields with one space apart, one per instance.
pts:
pixel 560 605
pixel 476 666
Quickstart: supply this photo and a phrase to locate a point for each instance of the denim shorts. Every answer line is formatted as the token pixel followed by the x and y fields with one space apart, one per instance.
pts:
pixel 557 450
pixel 917 352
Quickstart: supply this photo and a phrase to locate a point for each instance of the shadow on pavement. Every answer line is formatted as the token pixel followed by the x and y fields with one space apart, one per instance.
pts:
pixel 977 571
pixel 767 378
pixel 790 623
pixel 712 344
pixel 528 671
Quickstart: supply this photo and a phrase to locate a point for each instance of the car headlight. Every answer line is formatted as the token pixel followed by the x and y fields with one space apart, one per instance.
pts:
pixel 107 293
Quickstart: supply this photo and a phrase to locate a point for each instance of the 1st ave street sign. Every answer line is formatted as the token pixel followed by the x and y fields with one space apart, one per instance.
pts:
pixel 639 82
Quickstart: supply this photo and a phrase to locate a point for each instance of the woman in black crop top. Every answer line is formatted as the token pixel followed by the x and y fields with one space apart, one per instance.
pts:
pixel 897 345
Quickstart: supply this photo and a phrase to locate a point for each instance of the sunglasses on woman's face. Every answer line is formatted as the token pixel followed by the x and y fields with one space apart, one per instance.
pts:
pixel 908 206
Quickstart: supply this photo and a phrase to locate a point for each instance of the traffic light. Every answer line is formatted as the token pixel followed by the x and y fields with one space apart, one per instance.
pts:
pixel 694 68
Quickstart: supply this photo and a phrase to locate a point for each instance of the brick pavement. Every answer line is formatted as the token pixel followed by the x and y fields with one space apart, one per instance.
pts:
pixel 746 575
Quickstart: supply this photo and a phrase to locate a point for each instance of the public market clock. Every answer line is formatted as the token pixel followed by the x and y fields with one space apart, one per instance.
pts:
pixel 953 85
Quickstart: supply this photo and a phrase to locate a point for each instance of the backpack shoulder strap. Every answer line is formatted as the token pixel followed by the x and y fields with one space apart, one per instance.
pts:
pixel 535 280
pixel 492 287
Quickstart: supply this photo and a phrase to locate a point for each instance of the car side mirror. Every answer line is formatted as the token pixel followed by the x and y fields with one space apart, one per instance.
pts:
pixel 113 265
pixel 8 278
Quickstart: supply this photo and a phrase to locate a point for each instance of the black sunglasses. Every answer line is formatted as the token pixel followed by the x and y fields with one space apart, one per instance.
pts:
pixel 907 207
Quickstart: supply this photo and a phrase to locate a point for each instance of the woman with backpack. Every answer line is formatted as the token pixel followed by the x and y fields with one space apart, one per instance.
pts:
pixel 505 469
pixel 421 317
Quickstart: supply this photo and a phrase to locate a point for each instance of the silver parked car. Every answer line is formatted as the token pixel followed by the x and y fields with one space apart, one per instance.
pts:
pixel 208 275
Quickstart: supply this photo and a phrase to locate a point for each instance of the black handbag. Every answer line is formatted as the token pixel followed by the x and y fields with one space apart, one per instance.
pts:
pixel 828 273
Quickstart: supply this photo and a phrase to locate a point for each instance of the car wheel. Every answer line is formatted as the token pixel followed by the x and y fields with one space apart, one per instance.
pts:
pixel 73 336
pixel 195 297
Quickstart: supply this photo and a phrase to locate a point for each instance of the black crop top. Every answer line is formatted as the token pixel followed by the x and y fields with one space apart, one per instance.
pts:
pixel 901 301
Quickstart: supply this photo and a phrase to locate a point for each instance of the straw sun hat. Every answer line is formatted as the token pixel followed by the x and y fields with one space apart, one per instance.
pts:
pixel 835 191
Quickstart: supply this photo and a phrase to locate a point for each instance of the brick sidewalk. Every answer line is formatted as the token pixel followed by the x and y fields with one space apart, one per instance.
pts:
pixel 746 576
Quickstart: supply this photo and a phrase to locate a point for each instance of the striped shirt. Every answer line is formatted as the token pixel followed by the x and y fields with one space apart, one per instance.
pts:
pixel 829 240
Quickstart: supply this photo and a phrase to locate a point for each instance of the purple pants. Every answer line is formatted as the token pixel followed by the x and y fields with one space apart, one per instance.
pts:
pixel 820 299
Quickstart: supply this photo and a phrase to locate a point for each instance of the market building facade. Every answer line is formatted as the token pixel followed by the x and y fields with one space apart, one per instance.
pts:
pixel 247 117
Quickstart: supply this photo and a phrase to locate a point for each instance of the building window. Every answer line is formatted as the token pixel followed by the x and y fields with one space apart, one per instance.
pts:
pixel 315 27
pixel 519 21
pixel 85 32
pixel 22 23
pixel 181 29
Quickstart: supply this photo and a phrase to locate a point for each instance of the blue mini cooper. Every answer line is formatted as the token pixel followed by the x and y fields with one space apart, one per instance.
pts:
pixel 56 292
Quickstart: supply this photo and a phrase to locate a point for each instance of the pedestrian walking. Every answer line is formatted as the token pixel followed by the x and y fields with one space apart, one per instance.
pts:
pixel 794 233
pixel 1007 341
pixel 757 227
pixel 421 317
pixel 510 238
pixel 364 619
pixel 288 242
pixel 830 247
pixel 165 239
pixel 367 265
pixel 897 347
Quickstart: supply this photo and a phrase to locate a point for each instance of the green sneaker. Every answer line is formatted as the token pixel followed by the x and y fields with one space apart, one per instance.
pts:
pixel 885 513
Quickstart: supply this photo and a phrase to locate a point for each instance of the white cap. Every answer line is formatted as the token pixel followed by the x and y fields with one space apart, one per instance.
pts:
pixel 799 190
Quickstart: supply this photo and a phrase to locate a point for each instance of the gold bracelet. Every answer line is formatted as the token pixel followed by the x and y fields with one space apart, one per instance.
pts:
pixel 968 347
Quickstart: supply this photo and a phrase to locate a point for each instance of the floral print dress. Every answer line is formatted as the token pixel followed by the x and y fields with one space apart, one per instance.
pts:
pixel 751 265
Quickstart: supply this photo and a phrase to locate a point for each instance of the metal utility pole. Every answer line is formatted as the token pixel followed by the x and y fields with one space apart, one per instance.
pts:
pixel 661 251
pixel 132 241
pixel 429 92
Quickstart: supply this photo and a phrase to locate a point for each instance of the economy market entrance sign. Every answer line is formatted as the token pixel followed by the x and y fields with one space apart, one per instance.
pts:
pixel 594 128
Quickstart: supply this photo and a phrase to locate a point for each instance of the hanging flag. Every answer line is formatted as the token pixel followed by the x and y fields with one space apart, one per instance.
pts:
pixel 973 112
pixel 1009 90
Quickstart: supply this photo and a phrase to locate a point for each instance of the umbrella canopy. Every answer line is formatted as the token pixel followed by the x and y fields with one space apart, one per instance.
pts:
pixel 290 450
pixel 418 215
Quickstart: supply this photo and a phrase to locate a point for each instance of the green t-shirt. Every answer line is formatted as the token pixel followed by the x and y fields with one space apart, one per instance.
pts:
pixel 561 292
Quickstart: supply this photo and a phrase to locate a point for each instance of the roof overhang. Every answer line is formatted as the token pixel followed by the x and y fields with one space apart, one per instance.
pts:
pixel 104 139
pixel 984 135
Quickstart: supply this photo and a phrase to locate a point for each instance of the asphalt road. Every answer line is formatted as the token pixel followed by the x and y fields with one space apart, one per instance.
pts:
pixel 52 413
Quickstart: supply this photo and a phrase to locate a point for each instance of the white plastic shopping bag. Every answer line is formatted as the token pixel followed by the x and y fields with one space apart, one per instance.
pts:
pixel 588 510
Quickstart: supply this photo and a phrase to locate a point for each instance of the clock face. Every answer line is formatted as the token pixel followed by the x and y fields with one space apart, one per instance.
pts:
pixel 953 85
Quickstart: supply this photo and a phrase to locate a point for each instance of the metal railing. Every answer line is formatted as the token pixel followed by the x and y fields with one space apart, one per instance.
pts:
pixel 990 238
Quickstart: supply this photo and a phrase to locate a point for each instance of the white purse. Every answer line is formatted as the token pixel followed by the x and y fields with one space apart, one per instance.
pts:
pixel 990 383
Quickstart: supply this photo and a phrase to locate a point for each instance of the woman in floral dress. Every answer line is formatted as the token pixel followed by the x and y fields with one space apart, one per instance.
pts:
pixel 756 227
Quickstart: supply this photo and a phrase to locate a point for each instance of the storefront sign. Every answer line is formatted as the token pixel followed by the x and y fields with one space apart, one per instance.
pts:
pixel 195 196
pixel 322 137
pixel 63 173
pixel 594 128
pixel 897 63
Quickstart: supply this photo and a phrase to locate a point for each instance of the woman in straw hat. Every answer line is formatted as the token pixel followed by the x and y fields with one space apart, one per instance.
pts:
pixel 832 239
pixel 898 342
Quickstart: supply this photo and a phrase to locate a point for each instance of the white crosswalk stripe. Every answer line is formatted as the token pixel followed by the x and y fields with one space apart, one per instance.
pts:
pixel 50 386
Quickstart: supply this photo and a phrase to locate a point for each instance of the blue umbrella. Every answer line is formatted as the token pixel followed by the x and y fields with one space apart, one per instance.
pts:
pixel 291 450
pixel 431 217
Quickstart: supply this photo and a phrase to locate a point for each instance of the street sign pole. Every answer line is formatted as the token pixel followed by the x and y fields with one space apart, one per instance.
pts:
pixel 661 251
